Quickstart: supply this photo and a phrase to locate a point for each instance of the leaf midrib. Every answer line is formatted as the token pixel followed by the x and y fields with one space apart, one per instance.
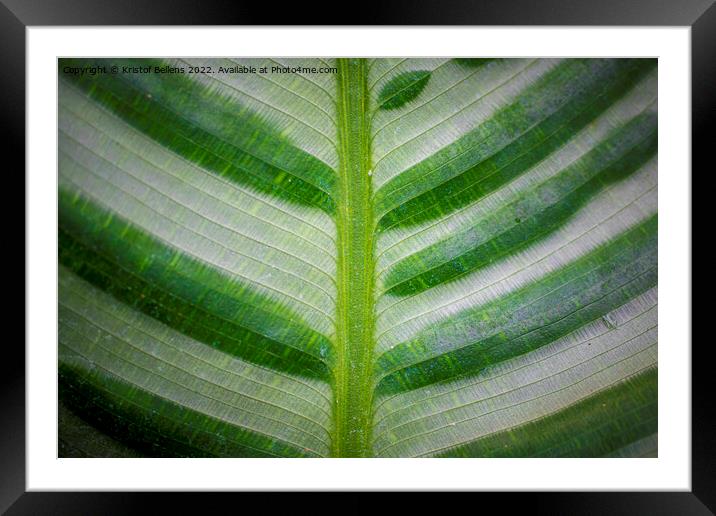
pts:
pixel 356 278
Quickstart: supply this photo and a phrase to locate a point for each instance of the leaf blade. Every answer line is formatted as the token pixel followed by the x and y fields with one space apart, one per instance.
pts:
pixel 409 257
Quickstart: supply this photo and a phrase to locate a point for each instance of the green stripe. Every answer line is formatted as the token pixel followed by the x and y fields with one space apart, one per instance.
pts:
pixel 154 425
pixel 528 318
pixel 522 153
pixel 191 297
pixel 402 88
pixel 536 214
pixel 558 104
pixel 215 132
pixel 595 427
pixel 474 62
pixel 77 438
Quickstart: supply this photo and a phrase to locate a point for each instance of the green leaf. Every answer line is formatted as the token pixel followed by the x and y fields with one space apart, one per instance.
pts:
pixel 406 257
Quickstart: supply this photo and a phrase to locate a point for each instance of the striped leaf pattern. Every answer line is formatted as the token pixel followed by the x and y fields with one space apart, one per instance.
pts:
pixel 391 258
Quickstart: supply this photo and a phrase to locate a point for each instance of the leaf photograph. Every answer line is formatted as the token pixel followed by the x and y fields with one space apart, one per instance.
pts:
pixel 357 257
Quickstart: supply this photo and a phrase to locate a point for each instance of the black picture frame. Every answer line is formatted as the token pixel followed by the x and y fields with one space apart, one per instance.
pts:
pixel 17 15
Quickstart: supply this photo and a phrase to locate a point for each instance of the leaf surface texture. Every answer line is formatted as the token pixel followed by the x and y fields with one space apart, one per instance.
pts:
pixel 406 257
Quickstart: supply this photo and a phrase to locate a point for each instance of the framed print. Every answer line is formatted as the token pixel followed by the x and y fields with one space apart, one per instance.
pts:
pixel 452 257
